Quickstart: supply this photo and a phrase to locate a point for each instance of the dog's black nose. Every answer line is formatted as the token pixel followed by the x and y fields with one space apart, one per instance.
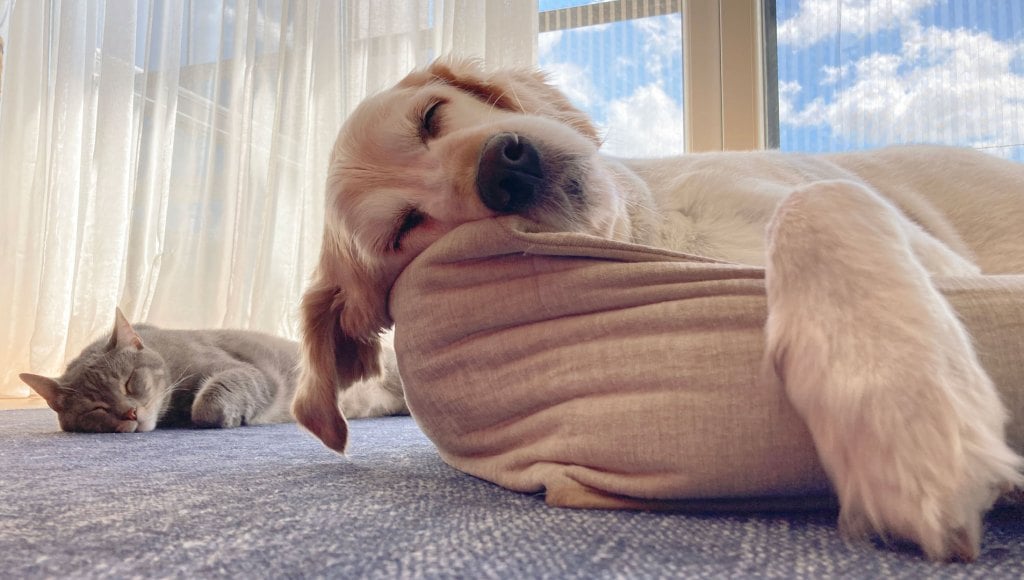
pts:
pixel 508 173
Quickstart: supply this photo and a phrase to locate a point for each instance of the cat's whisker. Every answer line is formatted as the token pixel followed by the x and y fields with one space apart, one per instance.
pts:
pixel 181 384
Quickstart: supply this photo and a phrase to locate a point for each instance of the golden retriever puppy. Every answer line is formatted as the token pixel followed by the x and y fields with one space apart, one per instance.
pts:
pixel 906 422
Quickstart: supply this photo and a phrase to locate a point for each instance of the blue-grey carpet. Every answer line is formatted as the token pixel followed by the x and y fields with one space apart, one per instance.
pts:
pixel 271 502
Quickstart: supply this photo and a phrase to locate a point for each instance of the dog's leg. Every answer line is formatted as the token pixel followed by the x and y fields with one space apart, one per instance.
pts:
pixel 905 420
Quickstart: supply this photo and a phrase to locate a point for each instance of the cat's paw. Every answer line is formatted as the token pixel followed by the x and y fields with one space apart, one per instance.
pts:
pixel 210 413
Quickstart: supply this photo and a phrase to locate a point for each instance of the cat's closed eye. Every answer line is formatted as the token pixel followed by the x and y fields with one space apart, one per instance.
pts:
pixel 128 385
pixel 98 409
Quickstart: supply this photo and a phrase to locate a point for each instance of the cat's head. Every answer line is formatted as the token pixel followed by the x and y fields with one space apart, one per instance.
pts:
pixel 113 386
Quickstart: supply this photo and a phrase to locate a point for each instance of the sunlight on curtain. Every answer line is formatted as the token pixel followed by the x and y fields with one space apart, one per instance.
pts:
pixel 169 156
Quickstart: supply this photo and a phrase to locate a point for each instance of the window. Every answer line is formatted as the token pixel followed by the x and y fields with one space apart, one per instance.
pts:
pixel 664 76
pixel 858 74
pixel 659 76
pixel 622 63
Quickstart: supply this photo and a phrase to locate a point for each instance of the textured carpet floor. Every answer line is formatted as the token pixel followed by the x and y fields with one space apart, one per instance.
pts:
pixel 271 502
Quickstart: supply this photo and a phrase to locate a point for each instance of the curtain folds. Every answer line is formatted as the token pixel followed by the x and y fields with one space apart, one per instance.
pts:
pixel 168 156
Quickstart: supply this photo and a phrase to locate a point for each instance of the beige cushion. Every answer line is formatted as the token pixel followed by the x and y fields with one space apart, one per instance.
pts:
pixel 592 369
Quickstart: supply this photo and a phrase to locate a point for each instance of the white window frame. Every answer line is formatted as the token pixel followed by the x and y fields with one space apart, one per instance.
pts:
pixel 723 75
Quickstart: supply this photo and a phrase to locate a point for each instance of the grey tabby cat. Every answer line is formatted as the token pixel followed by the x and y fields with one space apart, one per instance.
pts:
pixel 145 377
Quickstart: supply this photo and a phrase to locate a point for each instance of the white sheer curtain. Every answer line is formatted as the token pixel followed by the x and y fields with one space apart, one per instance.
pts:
pixel 168 156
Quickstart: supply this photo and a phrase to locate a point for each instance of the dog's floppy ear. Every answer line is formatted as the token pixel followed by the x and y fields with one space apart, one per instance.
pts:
pixel 523 90
pixel 341 319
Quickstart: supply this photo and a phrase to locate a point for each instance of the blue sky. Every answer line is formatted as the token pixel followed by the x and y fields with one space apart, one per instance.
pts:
pixel 627 75
pixel 940 71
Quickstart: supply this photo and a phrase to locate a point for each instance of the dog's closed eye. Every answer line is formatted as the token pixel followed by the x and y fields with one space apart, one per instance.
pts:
pixel 430 123
pixel 407 221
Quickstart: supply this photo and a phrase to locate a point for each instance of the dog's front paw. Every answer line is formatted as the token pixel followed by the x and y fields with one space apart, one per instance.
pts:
pixel 915 450
pixel 932 491
pixel 914 447
pixel 912 439
pixel 907 423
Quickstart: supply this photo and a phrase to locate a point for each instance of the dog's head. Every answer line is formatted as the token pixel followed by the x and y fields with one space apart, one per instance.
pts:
pixel 447 145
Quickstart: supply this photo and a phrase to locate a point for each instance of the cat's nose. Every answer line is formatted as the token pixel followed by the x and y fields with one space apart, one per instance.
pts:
pixel 130 415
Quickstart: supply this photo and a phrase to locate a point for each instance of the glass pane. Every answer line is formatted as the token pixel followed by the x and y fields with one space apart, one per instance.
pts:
pixel 628 76
pixel 545 5
pixel 865 73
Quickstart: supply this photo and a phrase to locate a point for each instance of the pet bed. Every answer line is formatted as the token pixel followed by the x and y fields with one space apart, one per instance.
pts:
pixel 615 375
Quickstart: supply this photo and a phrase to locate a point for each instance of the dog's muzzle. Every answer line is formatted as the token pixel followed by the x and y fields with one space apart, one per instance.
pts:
pixel 509 173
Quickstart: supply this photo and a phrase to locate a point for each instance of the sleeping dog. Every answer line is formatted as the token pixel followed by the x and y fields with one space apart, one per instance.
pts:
pixel 905 421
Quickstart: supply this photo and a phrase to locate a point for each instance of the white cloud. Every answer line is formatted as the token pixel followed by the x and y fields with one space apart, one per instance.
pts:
pixel 662 42
pixel 817 20
pixel 788 90
pixel 647 123
pixel 943 86
pixel 574 81
pixel 546 42
pixel 833 74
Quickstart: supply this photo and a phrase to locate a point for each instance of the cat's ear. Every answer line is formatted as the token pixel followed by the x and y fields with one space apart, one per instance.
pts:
pixel 46 387
pixel 124 335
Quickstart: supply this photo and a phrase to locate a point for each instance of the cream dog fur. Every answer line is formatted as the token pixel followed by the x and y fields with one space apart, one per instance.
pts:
pixel 905 420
